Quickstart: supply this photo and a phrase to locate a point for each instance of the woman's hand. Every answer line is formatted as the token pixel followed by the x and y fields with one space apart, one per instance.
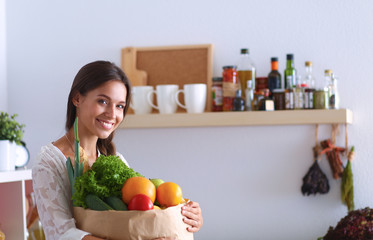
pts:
pixel 192 216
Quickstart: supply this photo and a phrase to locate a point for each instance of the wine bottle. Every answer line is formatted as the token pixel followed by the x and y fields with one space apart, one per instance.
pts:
pixel 274 77
pixel 290 71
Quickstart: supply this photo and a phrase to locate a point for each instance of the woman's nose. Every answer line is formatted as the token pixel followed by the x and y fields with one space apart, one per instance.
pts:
pixel 110 110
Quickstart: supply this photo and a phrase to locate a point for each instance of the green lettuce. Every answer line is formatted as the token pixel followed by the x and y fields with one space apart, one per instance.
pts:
pixel 104 179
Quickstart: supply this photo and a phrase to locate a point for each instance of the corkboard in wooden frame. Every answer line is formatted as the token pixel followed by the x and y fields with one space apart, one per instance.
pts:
pixel 170 65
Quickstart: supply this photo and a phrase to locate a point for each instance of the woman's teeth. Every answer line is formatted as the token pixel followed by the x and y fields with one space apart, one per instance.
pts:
pixel 106 125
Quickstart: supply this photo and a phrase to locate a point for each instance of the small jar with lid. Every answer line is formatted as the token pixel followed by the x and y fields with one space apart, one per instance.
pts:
pixel 230 86
pixel 278 96
pixel 258 96
pixel 217 94
pixel 266 103
pixel 320 99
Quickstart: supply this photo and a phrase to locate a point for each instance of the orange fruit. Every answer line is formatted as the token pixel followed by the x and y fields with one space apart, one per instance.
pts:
pixel 169 194
pixel 137 185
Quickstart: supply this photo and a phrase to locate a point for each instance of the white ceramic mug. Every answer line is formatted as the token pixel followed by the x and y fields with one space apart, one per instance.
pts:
pixel 165 94
pixel 194 97
pixel 7 155
pixel 139 103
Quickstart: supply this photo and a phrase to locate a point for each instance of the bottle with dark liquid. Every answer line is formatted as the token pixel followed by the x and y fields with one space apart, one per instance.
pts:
pixel 238 102
pixel 274 77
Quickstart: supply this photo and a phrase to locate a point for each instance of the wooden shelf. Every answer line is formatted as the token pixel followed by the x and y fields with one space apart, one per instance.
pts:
pixel 221 119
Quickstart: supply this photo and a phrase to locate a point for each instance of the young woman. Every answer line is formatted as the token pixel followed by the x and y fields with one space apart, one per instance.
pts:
pixel 99 96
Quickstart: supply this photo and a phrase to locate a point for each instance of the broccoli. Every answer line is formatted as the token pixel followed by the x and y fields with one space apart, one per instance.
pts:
pixel 104 179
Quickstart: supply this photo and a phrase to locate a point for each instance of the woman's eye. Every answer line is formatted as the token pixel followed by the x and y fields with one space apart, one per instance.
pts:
pixel 103 101
pixel 120 106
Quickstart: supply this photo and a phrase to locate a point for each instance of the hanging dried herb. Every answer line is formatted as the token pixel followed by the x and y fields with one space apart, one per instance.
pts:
pixel 332 154
pixel 315 181
pixel 347 188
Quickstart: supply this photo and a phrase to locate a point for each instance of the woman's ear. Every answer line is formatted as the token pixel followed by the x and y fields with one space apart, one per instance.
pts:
pixel 76 99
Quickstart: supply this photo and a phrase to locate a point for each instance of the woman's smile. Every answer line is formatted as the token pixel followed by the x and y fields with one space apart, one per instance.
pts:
pixel 106 124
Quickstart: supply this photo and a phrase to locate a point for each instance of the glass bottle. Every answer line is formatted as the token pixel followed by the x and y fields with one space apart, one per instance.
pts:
pixel 258 96
pixel 290 71
pixel 245 69
pixel 327 85
pixel 274 77
pixel 217 94
pixel 249 95
pixel 309 82
pixel 238 102
pixel 289 94
pixel 299 93
pixel 230 86
pixel 333 93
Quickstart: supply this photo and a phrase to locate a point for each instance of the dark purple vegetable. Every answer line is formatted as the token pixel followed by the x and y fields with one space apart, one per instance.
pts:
pixel 357 225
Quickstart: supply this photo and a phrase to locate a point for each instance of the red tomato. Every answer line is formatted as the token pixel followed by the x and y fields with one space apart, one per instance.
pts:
pixel 140 202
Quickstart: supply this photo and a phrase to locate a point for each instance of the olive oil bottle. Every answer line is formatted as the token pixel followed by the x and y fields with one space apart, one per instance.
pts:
pixel 245 70
pixel 290 71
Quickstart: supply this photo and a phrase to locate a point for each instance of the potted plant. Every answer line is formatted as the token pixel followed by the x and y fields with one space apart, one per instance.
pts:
pixel 11 133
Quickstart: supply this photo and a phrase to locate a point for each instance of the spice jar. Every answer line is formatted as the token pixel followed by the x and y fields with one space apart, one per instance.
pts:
pixel 278 96
pixel 266 104
pixel 230 87
pixel 217 94
pixel 320 99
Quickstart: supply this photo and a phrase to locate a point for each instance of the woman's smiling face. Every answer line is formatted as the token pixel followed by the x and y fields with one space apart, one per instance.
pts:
pixel 101 110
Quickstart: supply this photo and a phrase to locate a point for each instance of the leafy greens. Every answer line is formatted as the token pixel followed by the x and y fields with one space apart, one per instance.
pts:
pixel 104 179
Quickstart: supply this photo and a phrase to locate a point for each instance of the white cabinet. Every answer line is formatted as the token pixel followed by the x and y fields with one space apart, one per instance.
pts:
pixel 14 186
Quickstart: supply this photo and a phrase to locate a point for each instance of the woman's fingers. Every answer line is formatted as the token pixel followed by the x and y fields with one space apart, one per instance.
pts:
pixel 193 217
pixel 194 225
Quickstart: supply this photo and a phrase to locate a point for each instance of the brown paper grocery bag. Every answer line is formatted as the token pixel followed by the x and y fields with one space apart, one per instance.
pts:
pixel 131 225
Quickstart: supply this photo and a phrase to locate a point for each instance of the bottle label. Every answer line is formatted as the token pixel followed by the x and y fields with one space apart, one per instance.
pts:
pixel 298 99
pixel 289 100
pixel 308 100
pixel 230 89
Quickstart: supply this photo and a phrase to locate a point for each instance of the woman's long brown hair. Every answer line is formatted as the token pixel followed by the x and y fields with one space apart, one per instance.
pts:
pixel 89 78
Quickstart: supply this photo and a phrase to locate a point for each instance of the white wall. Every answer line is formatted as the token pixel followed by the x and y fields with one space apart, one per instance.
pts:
pixel 3 81
pixel 247 179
